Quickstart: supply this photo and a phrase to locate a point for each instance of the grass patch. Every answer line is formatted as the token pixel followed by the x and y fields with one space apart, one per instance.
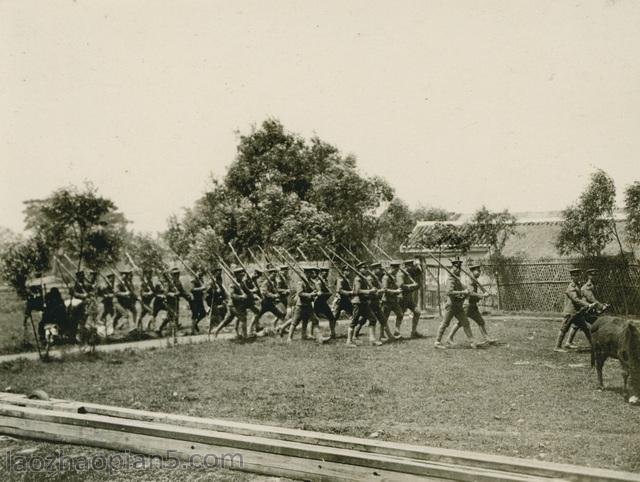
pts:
pixel 518 398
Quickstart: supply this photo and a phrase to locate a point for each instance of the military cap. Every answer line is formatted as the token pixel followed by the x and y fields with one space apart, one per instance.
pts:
pixel 456 262
pixel 237 270
pixel 284 267
pixel 362 264
pixel 110 275
pixel 575 271
pixel 174 271
pixel 125 271
pixel 475 266
pixel 80 273
pixel 592 271
pixel 375 265
pixel 309 269
pixel 272 269
pixel 408 262
pixel 395 263
pixel 324 269
pixel 217 269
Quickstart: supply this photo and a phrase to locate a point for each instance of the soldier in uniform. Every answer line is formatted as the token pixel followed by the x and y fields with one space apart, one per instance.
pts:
pixel 390 293
pixel 283 287
pixel 303 309
pixel 93 311
pixel 251 286
pixel 374 278
pixel 321 304
pixel 196 303
pixel 472 311
pixel 360 301
pixel 126 298
pixel 342 301
pixel 575 310
pixel 407 302
pixel 414 270
pixel 217 298
pixel 77 308
pixel 588 292
pixel 107 293
pixel 454 307
pixel 172 294
pixel 237 307
pixel 270 298
pixel 147 295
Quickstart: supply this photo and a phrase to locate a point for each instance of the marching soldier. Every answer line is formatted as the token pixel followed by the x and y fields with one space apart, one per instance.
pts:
pixel 360 301
pixel 147 295
pixel 109 307
pixel 390 293
pixel 237 308
pixel 575 310
pixel 321 304
pixel 282 285
pixel 342 301
pixel 172 295
pixel 126 298
pixel 252 289
pixel 407 302
pixel 91 284
pixel 303 309
pixel 414 270
pixel 454 307
pixel 270 298
pixel 196 303
pixel 374 279
pixel 217 298
pixel 472 311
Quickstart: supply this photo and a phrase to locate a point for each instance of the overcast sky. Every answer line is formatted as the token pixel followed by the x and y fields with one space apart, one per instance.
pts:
pixel 508 103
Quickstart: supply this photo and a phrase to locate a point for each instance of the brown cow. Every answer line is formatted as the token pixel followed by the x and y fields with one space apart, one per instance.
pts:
pixel 615 337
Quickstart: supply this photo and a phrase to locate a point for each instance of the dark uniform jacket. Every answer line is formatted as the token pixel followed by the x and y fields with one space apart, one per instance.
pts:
pixel 304 295
pixel 454 301
pixel 574 301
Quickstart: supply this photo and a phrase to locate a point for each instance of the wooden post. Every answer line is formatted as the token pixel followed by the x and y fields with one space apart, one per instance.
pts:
pixel 498 289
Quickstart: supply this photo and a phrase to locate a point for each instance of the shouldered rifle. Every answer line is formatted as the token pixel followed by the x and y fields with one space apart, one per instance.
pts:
pixel 373 256
pixel 474 279
pixel 352 268
pixel 401 268
pixel 335 266
pixel 228 271
pixel 293 265
pixel 266 275
pixel 244 268
pixel 266 257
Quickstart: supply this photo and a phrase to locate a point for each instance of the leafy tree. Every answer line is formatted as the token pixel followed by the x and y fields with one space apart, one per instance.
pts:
pixel 394 226
pixel 492 228
pixel 429 213
pixel 632 209
pixel 589 225
pixel 147 252
pixel 448 237
pixel 86 226
pixel 20 259
pixel 283 189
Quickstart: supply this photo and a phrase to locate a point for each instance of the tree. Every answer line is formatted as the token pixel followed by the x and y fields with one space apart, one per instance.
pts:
pixel 86 226
pixel 394 225
pixel 492 228
pixel 589 225
pixel 285 190
pixel 430 213
pixel 147 252
pixel 632 210
pixel 21 258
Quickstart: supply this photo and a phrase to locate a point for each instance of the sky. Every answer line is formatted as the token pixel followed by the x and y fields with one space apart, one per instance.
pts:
pixel 509 104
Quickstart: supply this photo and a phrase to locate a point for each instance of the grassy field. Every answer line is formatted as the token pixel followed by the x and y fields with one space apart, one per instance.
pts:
pixel 518 398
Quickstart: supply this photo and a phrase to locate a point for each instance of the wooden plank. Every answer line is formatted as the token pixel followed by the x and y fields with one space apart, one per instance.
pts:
pixel 13 418
pixel 256 462
pixel 432 454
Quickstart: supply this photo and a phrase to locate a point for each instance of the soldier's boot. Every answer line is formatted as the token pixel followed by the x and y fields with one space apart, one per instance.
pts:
pixel 485 335
pixel 452 334
pixel 572 334
pixel 242 330
pixel 472 342
pixel 561 335
pixel 390 335
pixel 332 328
pixel 292 329
pixel 372 335
pixel 304 335
pixel 414 325
pixel 399 323
pixel 350 342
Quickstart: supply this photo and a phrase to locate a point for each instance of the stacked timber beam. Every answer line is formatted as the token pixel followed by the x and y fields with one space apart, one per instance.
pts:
pixel 270 450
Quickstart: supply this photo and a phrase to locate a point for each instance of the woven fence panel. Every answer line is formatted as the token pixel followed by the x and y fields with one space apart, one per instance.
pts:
pixel 540 286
